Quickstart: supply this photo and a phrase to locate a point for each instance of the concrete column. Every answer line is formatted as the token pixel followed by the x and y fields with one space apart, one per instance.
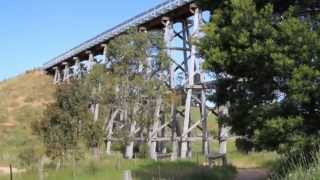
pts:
pixel 57 75
pixel 66 71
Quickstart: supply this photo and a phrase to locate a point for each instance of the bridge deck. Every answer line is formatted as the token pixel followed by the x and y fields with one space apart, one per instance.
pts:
pixel 151 19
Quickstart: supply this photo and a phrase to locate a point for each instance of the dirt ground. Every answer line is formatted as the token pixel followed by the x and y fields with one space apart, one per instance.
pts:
pixel 6 170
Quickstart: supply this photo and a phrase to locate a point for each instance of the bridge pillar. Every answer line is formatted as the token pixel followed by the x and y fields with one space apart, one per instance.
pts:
pixel 57 75
pixel 203 110
pixel 223 113
pixel 105 51
pixel 198 21
pixel 77 72
pixel 91 60
pixel 186 143
pixel 168 37
pixel 66 71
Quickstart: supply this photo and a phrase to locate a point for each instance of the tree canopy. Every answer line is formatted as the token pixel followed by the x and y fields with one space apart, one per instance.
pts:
pixel 267 67
pixel 125 89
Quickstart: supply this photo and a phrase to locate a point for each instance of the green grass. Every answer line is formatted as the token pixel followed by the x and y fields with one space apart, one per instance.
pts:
pixel 239 159
pixel 113 168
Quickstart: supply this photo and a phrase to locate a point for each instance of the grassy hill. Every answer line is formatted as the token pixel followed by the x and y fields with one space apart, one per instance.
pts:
pixel 23 100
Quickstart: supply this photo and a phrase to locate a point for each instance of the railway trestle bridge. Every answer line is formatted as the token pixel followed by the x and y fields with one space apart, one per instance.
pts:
pixel 180 21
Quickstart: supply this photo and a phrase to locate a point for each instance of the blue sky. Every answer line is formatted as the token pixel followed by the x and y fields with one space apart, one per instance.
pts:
pixel 34 31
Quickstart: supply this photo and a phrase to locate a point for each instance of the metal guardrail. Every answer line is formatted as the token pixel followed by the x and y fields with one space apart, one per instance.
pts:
pixel 142 18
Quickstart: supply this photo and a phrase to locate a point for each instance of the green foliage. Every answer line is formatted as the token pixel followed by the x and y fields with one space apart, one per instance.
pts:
pixel 62 124
pixel 267 67
pixel 129 83
pixel 134 78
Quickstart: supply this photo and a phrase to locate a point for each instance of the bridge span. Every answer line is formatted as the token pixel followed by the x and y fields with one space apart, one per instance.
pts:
pixel 151 19
pixel 180 21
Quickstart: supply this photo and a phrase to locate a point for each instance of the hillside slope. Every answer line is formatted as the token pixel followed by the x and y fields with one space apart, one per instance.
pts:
pixel 22 101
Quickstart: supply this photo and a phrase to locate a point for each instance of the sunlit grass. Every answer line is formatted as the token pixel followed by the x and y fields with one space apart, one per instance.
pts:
pixel 141 169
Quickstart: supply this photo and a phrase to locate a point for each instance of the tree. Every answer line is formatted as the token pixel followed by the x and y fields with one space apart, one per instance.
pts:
pixel 63 123
pixel 120 99
pixel 267 68
pixel 137 62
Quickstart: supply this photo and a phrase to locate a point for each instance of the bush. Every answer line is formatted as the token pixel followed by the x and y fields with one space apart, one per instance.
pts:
pixel 244 145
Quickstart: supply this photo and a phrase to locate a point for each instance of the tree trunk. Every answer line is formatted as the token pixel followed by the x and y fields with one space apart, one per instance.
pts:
pixel 153 133
pixel 223 132
pixel 162 145
pixel 129 146
pixel 110 131
pixel 96 152
pixel 184 143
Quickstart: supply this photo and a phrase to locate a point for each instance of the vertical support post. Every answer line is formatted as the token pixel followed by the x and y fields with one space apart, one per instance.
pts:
pixel 91 60
pixel 185 144
pixel 66 71
pixel 187 41
pixel 168 35
pixel 223 131
pixel 185 36
pixel 57 75
pixel 205 142
pixel 105 51
pixel 77 68
pixel 11 175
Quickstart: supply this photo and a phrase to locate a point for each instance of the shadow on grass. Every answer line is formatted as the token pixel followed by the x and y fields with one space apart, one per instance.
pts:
pixel 182 171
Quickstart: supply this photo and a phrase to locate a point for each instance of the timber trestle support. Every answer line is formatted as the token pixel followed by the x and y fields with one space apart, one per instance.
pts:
pixel 181 22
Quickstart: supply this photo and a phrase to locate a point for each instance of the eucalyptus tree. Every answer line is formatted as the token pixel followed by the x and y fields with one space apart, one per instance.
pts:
pixel 63 123
pixel 136 71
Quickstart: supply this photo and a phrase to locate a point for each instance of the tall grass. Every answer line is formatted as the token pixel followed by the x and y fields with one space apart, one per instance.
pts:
pixel 305 166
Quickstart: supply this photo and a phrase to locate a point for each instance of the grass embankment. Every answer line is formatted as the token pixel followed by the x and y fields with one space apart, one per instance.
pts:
pixel 22 100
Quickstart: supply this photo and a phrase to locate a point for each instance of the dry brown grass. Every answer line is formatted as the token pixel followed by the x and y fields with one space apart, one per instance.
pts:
pixel 33 89
pixel 23 100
